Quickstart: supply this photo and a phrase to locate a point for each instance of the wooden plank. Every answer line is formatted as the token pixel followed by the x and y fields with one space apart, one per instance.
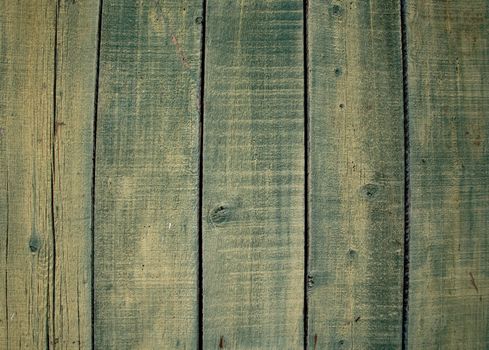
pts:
pixel 449 124
pixel 253 194
pixel 26 134
pixel 356 175
pixel 77 28
pixel 147 161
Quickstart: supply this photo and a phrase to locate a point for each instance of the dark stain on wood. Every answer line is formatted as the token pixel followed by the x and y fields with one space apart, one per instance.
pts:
pixel 472 281
pixel 34 243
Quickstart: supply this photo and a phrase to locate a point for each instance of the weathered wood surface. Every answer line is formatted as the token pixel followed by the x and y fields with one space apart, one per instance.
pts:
pixel 356 175
pixel 142 218
pixel 146 192
pixel 26 141
pixel 253 190
pixel 48 86
pixel 76 65
pixel 448 53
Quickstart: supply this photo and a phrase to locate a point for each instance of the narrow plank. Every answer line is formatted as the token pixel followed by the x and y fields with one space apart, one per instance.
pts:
pixel 356 175
pixel 26 132
pixel 77 28
pixel 253 194
pixel 147 161
pixel 449 123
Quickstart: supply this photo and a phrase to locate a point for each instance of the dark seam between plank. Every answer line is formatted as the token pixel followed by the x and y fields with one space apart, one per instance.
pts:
pixel 94 150
pixel 306 173
pixel 407 204
pixel 200 285
pixel 53 175
pixel 6 260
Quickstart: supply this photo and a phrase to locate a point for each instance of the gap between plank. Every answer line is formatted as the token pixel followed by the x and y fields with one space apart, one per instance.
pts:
pixel 53 175
pixel 200 285
pixel 94 138
pixel 407 204
pixel 306 172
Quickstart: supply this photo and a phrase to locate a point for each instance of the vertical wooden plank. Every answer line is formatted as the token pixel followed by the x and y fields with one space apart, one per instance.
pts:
pixel 77 28
pixel 356 175
pixel 26 134
pixel 253 195
pixel 147 161
pixel 448 52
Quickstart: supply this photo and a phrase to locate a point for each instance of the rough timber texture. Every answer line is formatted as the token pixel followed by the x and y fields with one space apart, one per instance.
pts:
pixel 146 193
pixel 27 49
pixel 253 194
pixel 77 27
pixel 47 98
pixel 142 288
pixel 356 175
pixel 448 52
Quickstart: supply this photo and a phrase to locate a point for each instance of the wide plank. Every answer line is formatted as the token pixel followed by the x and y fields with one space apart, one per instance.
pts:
pixel 356 169
pixel 448 53
pixel 27 50
pixel 76 63
pixel 253 175
pixel 146 177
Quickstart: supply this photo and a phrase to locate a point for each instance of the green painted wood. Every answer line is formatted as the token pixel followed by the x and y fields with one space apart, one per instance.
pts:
pixel 77 28
pixel 449 123
pixel 147 166
pixel 356 175
pixel 147 174
pixel 27 49
pixel 253 182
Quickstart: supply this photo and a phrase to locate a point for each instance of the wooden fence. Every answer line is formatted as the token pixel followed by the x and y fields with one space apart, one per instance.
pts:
pixel 244 174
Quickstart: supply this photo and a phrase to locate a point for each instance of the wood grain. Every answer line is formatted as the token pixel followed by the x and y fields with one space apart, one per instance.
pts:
pixel 449 123
pixel 356 175
pixel 46 136
pixel 76 62
pixel 253 194
pixel 26 135
pixel 254 201
pixel 147 162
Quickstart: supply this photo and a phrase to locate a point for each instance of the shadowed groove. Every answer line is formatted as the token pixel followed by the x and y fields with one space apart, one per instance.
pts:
pixel 405 289
pixel 201 180
pixel 95 112
pixel 306 173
